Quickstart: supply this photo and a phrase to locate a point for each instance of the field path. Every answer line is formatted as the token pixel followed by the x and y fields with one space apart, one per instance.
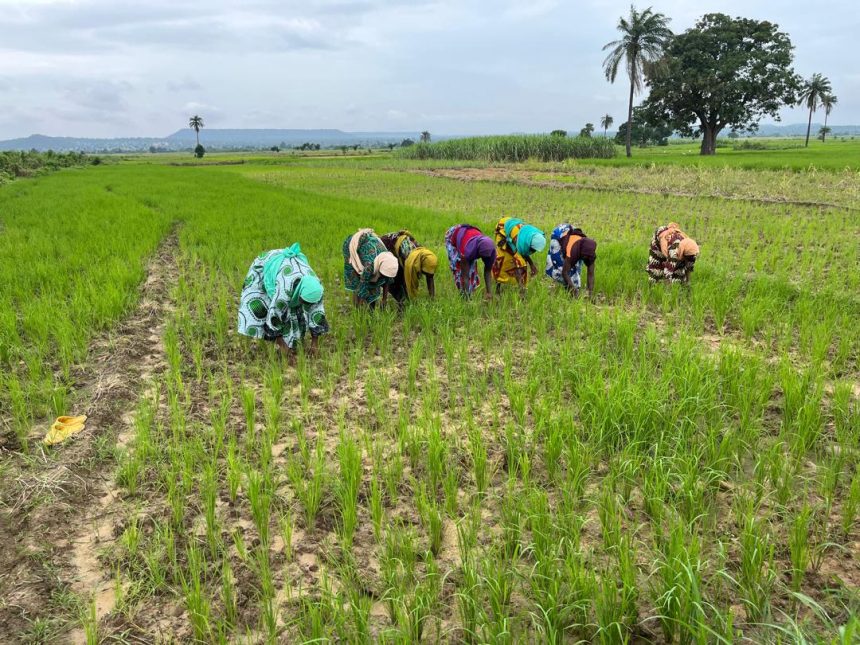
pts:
pixel 58 513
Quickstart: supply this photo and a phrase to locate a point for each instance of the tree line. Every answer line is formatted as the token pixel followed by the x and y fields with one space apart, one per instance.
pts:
pixel 721 73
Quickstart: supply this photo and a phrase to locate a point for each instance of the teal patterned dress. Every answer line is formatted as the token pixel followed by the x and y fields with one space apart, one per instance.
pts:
pixel 268 318
pixel 364 285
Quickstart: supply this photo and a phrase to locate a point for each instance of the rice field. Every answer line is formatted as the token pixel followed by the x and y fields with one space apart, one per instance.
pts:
pixel 651 465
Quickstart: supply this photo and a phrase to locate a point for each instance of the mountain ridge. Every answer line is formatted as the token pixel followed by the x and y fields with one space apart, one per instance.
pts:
pixel 251 138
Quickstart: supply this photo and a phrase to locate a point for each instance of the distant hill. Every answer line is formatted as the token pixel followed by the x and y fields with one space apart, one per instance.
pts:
pixel 42 143
pixel 211 138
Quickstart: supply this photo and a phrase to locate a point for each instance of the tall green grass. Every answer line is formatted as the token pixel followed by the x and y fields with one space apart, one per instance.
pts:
pixel 513 148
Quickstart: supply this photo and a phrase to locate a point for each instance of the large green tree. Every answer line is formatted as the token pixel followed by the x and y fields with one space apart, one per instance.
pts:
pixel 723 72
pixel 643 35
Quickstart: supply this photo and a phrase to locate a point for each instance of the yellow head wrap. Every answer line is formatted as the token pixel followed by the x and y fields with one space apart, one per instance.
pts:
pixel 420 261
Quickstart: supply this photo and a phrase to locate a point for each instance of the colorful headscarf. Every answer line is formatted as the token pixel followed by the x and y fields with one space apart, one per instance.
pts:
pixel 354 242
pixel 482 247
pixel 420 261
pixel 385 264
pixel 687 248
pixel 308 289
pixel 530 239
pixel 273 266
pixel 405 236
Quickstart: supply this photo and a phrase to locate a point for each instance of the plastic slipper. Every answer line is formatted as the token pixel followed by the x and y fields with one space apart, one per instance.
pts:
pixel 60 431
pixel 63 421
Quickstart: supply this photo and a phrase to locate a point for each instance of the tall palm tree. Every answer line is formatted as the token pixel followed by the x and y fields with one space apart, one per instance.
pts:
pixel 814 90
pixel 828 101
pixel 195 123
pixel 606 122
pixel 643 37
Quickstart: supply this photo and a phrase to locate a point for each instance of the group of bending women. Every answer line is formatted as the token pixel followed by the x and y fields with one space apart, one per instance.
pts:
pixel 282 296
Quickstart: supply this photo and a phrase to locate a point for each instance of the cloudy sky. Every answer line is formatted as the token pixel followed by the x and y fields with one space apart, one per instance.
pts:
pixel 108 68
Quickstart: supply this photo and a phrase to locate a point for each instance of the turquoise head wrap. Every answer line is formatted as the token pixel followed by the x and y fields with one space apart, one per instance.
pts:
pixel 530 240
pixel 273 266
pixel 309 289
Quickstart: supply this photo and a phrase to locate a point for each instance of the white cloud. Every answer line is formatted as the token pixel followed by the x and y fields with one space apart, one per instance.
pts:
pixel 123 67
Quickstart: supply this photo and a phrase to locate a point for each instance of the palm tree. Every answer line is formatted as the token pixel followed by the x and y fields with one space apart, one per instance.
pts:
pixel 425 137
pixel 827 102
pixel 606 122
pixel 643 37
pixel 195 123
pixel 814 90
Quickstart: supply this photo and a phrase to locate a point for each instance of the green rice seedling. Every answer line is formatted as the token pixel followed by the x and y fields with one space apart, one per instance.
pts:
pixel 609 512
pixel 347 487
pixel 20 412
pixel 846 415
pixel 431 518
pixel 627 582
pixel 228 596
pixel 851 503
pixel 468 602
pixel 249 407
pixel 436 453
pixel 497 581
pixel 267 595
pixel 285 523
pixel 310 487
pixel 553 445
pixel 234 470
pixel 678 587
pixel 608 608
pixel 756 576
pixel 209 493
pixel 131 537
pixel 451 487
pixel 479 458
pixel 393 476
pixel 239 543
pixel 90 621
pixel 377 508
pixel 260 499
pixel 561 592
pixel 512 520
pixel 578 468
pixel 196 601
pixel 798 545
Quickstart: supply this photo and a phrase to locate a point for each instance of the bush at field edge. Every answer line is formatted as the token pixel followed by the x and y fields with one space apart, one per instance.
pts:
pixel 513 148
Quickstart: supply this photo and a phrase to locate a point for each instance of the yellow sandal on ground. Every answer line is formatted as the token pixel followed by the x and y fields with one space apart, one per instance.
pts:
pixel 63 428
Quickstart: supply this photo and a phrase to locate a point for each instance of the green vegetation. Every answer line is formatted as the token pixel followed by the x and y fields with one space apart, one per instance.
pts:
pixel 512 148
pixel 14 164
pixel 644 35
pixel 656 464
pixel 748 76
